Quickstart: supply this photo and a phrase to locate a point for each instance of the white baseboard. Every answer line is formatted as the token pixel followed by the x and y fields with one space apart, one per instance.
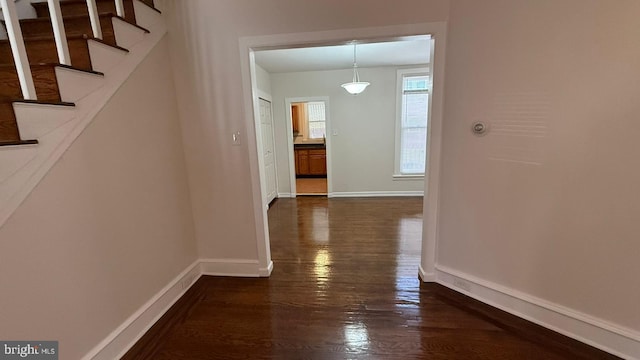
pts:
pixel 286 195
pixel 266 272
pixel 375 194
pixel 234 267
pixel 612 338
pixel 129 332
pixel 424 276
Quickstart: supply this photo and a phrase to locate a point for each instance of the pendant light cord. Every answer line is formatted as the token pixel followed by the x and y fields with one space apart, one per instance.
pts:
pixel 356 76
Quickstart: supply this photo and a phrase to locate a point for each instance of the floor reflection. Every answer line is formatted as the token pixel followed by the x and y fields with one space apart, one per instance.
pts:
pixel 322 268
pixel 356 337
pixel 409 235
pixel 320 225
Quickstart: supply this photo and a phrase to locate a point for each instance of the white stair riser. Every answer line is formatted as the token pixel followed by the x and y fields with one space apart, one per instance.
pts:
pixel 37 120
pixel 104 57
pixel 145 16
pixel 75 85
pixel 126 34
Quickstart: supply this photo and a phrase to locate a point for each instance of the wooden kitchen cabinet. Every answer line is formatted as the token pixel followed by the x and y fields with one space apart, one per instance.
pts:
pixel 302 162
pixel 317 162
pixel 311 162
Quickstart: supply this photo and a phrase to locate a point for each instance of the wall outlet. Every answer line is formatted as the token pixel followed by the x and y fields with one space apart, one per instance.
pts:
pixel 464 285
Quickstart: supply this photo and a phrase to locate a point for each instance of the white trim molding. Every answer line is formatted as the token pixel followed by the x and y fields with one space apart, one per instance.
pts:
pixel 131 330
pixel 408 177
pixel 400 75
pixel 424 276
pixel 235 267
pixel 599 333
pixel 345 194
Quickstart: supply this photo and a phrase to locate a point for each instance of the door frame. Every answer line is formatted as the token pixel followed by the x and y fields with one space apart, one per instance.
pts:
pixel 248 44
pixel 290 145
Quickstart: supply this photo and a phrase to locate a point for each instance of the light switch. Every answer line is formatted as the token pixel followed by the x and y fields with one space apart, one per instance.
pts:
pixel 335 132
pixel 236 138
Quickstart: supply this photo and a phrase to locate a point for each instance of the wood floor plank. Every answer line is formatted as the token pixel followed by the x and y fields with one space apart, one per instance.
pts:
pixel 344 286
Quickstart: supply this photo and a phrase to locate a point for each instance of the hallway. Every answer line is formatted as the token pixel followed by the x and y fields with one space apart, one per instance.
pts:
pixel 344 286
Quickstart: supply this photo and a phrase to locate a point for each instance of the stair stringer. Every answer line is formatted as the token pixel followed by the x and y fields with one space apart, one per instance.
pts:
pixel 23 167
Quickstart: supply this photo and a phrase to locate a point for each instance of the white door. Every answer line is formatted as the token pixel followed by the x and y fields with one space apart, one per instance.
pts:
pixel 267 150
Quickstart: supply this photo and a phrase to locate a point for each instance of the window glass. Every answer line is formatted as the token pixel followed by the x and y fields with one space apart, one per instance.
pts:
pixel 413 125
pixel 317 124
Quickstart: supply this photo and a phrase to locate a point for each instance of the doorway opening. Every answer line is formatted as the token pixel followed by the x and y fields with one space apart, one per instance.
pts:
pixel 308 148
pixel 252 45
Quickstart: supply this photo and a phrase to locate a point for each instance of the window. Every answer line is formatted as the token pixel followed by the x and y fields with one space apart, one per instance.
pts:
pixel 316 116
pixel 411 129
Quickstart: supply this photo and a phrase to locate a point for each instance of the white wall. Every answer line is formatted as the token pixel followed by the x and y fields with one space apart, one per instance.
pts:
pixel 363 150
pixel 108 227
pixel 263 81
pixel 553 214
pixel 205 46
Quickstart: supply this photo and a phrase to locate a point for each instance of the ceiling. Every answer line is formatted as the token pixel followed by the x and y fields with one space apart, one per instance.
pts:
pixel 392 53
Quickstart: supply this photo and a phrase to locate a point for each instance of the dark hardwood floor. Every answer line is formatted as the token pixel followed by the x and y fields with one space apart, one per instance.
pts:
pixel 344 286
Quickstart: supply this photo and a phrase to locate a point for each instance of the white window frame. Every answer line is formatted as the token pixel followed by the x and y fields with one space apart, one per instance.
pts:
pixel 308 120
pixel 401 74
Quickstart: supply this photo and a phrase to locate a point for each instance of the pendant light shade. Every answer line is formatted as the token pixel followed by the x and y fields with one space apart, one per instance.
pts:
pixel 356 86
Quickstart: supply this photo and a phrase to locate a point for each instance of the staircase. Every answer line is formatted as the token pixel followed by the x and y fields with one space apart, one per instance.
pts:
pixel 35 133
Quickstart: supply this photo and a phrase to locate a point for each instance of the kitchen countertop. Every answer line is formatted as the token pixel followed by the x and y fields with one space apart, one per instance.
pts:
pixel 309 146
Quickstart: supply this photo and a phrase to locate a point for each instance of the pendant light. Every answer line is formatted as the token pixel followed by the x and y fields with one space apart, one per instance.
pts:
pixel 356 86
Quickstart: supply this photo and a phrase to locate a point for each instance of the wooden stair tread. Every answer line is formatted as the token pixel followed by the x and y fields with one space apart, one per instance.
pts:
pixel 67 17
pixel 7 67
pixel 78 49
pixel 74 25
pixel 45 81
pixel 48 38
pixel 8 125
pixel 111 45
pixel 79 7
pixel 18 142
pixel 71 67
pixel 42 49
pixel 44 78
pixel 57 103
